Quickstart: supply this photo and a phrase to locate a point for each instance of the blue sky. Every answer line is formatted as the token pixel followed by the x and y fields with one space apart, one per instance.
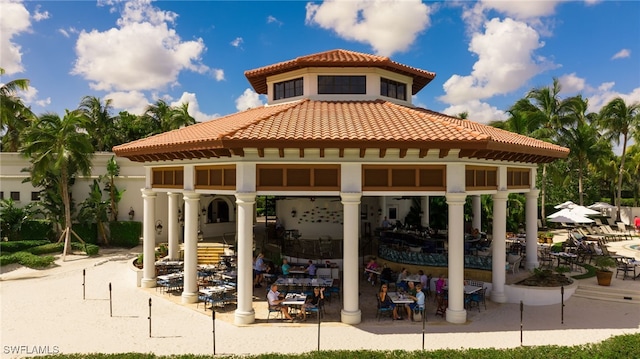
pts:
pixel 485 54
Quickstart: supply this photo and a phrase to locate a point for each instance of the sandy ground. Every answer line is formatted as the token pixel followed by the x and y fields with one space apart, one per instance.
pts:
pixel 43 311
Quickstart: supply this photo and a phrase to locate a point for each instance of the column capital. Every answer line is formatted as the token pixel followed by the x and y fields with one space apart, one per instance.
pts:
pixel 500 196
pixel 533 193
pixel 191 196
pixel 148 192
pixel 350 197
pixel 245 197
pixel 456 198
pixel 173 193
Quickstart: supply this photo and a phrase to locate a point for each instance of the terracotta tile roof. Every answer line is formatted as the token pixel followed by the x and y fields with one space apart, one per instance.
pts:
pixel 337 58
pixel 339 124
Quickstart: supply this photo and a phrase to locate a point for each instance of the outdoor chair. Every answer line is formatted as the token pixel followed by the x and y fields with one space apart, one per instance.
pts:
pixel 318 310
pixel 273 309
pixel 625 266
pixel 419 310
pixel 382 310
pixel 477 298
pixel 442 302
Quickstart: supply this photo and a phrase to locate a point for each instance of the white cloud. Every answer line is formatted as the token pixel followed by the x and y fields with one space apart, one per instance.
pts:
pixel 388 26
pixel 237 42
pixel 143 53
pixel 14 20
pixel 30 97
pixel 39 16
pixel 248 99
pixel 218 74
pixel 506 60
pixel 478 111
pixel 621 54
pixel 522 9
pixel 133 102
pixel 571 83
pixel 67 32
pixel 605 93
pixel 194 107
pixel 272 20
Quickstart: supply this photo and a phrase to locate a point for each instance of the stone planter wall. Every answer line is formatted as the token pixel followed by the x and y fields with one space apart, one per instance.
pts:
pixel 538 295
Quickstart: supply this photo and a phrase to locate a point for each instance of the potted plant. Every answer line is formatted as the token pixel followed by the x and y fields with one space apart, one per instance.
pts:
pixel 603 272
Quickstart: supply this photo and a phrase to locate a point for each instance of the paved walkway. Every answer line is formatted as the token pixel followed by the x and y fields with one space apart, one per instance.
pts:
pixel 45 310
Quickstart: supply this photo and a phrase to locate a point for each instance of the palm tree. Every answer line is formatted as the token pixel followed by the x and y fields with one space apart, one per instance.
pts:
pixel 61 147
pixel 180 117
pixel 548 113
pixel 102 124
pixel 620 122
pixel 94 210
pixel 14 115
pixel 166 118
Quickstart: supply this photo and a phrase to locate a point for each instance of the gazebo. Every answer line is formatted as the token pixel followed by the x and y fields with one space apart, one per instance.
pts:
pixel 337 123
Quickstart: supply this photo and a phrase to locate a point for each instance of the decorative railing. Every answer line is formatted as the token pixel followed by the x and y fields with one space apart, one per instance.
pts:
pixel 431 259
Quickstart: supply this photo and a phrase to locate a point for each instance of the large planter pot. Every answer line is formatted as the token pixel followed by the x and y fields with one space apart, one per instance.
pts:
pixel 604 278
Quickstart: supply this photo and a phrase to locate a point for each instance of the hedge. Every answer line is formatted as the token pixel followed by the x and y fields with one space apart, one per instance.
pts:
pixel 88 232
pixel 16 246
pixel 36 229
pixel 27 259
pixel 125 234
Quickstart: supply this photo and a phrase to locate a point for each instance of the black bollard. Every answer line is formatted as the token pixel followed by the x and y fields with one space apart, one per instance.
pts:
pixel 213 318
pixel 521 311
pixel 562 307
pixel 84 273
pixel 424 323
pixel 149 317
pixel 319 309
pixel 110 302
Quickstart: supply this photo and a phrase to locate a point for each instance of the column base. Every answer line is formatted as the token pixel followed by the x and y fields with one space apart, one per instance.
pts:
pixel 242 318
pixel 498 297
pixel 188 298
pixel 456 316
pixel 351 317
pixel 531 266
pixel 148 283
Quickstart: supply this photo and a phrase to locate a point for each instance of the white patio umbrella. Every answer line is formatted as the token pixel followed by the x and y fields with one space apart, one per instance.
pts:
pixel 562 205
pixel 601 206
pixel 582 210
pixel 567 216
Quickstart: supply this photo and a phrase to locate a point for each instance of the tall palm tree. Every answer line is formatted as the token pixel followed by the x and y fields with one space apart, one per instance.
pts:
pixel 59 146
pixel 620 122
pixel 548 113
pixel 102 124
pixel 166 118
pixel 14 115
pixel 180 117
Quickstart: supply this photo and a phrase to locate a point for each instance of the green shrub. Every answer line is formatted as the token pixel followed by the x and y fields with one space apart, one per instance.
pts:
pixel 36 229
pixel 88 232
pixel 32 261
pixel 90 249
pixel 47 248
pixel 8 259
pixel 125 234
pixel 16 246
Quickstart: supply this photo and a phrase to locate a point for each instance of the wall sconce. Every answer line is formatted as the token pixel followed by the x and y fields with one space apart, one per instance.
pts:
pixel 159 227
pixel 293 213
pixel 180 217
pixel 131 213
pixel 379 211
pixel 312 199
pixel 204 211
pixel 200 236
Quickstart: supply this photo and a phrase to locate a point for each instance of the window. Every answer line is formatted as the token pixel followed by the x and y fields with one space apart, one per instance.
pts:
pixel 35 196
pixel 394 89
pixel 342 85
pixel 286 89
pixel 15 196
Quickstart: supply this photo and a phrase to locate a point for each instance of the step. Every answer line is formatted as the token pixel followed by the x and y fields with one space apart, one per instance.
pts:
pixel 605 293
pixel 209 254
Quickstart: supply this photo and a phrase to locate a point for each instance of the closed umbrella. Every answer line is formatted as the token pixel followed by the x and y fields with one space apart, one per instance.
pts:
pixel 566 204
pixel 568 216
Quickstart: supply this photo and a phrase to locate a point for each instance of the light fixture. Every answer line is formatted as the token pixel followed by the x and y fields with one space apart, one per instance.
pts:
pixel 204 211
pixel 159 227
pixel 131 213
pixel 200 236
pixel 293 213
pixel 312 199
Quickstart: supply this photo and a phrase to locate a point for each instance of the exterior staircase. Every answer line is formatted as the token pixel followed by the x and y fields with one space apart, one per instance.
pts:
pixel 608 294
pixel 208 254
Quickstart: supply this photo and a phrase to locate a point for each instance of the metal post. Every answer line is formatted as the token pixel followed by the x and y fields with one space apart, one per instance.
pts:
pixel 424 322
pixel 110 302
pixel 319 310
pixel 521 311
pixel 149 317
pixel 562 307
pixel 84 273
pixel 213 319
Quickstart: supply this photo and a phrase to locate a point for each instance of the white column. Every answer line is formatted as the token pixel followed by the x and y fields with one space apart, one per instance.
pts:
pixel 383 210
pixel 456 312
pixel 173 226
pixel 499 243
pixel 351 313
pixel 244 313
pixel 148 239
pixel 424 220
pixel 476 206
pixel 531 227
pixel 191 213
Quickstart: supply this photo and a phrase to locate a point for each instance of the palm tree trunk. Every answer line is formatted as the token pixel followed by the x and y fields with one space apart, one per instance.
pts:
pixel 543 187
pixel 620 173
pixel 580 191
pixel 67 210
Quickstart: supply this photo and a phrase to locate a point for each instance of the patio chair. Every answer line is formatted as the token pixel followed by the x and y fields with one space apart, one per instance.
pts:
pixel 625 266
pixel 273 309
pixel 442 302
pixel 477 298
pixel 382 310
